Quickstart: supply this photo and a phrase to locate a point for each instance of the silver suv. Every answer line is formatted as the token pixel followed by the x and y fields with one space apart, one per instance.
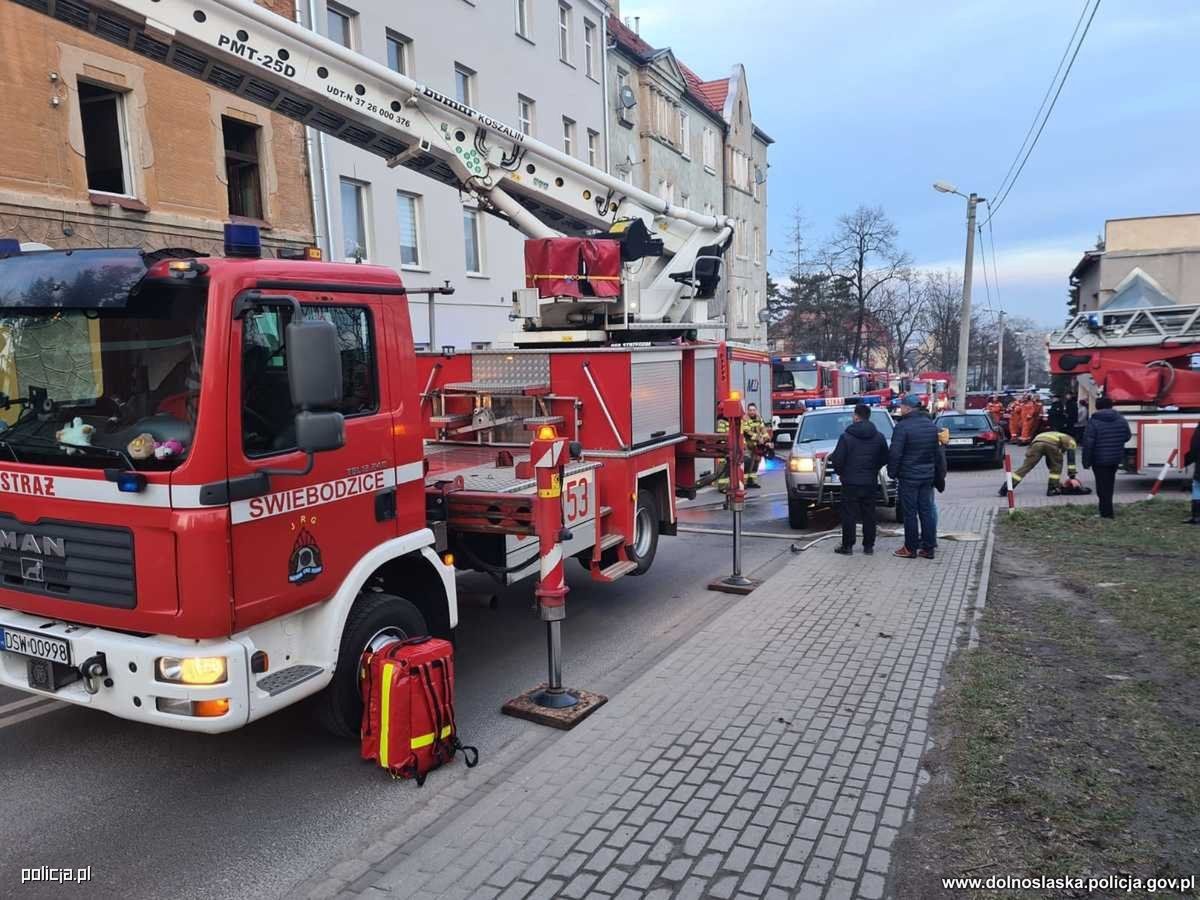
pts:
pixel 811 481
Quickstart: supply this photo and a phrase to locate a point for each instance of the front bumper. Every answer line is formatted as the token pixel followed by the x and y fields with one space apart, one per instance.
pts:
pixel 830 493
pixel 130 664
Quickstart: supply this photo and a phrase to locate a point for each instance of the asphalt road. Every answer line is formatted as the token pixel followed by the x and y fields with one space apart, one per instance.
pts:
pixel 160 813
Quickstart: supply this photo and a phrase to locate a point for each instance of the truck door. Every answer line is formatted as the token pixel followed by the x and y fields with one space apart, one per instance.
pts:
pixel 294 544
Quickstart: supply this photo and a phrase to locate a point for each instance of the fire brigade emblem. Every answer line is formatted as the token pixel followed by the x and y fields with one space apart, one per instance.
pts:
pixel 305 562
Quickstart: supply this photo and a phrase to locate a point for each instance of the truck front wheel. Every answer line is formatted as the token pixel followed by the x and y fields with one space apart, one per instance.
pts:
pixel 373 618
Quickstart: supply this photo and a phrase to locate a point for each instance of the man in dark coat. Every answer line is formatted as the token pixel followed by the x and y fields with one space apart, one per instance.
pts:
pixel 1192 458
pixel 860 453
pixel 914 459
pixel 1104 450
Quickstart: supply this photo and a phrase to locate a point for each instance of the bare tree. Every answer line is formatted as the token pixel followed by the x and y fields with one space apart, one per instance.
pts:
pixel 899 308
pixel 862 254
pixel 943 312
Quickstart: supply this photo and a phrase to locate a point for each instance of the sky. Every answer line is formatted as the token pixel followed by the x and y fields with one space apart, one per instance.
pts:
pixel 871 101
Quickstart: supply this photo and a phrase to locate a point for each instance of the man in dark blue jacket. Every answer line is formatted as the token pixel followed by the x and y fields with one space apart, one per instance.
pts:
pixel 860 453
pixel 1104 450
pixel 1192 458
pixel 914 459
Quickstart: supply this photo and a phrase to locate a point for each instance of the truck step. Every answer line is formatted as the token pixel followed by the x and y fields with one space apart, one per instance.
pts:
pixel 608 541
pixel 286 679
pixel 615 571
pixel 604 511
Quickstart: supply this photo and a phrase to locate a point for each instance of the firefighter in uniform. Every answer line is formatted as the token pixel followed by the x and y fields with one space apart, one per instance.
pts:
pixel 756 437
pixel 1049 445
pixel 995 409
pixel 1015 421
pixel 1031 417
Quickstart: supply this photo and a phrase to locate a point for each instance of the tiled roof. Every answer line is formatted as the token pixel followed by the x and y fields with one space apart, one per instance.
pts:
pixel 711 93
pixel 628 38
pixel 714 93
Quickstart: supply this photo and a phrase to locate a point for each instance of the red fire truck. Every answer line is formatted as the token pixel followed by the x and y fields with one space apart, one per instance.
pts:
pixel 795 380
pixel 1147 361
pixel 934 389
pixel 198 530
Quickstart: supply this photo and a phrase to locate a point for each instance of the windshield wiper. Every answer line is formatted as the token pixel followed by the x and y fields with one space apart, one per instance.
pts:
pixel 38 440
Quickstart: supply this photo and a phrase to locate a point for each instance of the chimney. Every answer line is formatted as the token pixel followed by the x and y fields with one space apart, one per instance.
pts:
pixel 637 25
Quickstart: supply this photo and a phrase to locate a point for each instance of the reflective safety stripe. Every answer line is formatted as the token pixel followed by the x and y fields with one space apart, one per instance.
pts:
pixel 385 715
pixel 425 740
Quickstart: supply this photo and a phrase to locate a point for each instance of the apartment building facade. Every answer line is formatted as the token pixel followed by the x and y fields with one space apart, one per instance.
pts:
pixel 693 142
pixel 105 148
pixel 1144 261
pixel 536 64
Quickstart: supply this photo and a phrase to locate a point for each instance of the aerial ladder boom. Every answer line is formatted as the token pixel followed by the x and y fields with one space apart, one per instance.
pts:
pixel 249 51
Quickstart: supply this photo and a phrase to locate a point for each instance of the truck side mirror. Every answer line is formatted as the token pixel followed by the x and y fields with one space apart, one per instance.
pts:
pixel 314 364
pixel 317 432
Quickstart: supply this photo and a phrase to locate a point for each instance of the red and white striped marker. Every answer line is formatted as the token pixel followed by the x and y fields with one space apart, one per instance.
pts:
pixel 1012 497
pixel 1162 475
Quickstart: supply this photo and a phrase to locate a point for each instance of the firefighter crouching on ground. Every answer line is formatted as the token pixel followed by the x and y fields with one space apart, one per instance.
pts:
pixel 1049 445
pixel 757 437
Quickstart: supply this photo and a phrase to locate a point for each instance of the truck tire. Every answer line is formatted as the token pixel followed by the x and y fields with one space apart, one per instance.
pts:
pixel 797 513
pixel 338 708
pixel 645 532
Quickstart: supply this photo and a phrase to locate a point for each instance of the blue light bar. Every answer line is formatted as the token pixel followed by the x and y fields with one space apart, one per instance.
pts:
pixel 243 241
pixel 9 247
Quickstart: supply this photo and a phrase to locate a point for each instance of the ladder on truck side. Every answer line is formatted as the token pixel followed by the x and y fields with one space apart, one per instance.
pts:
pixel 1165 325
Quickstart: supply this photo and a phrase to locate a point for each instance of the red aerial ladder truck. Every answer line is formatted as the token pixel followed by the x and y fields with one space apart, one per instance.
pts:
pixel 222 478
pixel 1147 361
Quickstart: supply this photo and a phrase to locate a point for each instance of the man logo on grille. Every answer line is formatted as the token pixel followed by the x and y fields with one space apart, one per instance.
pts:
pixel 33 569
pixel 305 562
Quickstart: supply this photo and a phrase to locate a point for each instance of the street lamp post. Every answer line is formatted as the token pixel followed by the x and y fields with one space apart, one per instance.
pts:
pixel 964 328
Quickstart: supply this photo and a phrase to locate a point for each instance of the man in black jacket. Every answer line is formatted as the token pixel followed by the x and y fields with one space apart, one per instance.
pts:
pixel 1192 458
pixel 860 453
pixel 914 459
pixel 1104 450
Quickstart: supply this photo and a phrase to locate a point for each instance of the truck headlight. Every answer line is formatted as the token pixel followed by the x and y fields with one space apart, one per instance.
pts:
pixel 192 669
pixel 801 464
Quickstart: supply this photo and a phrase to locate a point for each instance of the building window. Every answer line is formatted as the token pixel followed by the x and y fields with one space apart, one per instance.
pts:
pixel 684 200
pixel 354 220
pixel 666 191
pixel 408 217
pixel 523 18
pixel 473 240
pixel 241 168
pixel 564 32
pixel 105 145
pixel 710 149
pixel 665 116
pixel 589 48
pixel 399 51
pixel 593 148
pixel 685 137
pixel 757 246
pixel 568 136
pixel 464 84
pixel 340 22
pixel 525 114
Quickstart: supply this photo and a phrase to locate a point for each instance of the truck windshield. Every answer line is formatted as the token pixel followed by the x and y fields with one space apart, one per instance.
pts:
pixel 786 378
pixel 98 388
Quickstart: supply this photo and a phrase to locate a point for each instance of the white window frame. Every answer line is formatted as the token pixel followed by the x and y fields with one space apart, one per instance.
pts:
pixel 593 147
pixel 522 16
pixel 757 246
pixel 526 115
pixel 126 148
pixel 589 48
pixel 363 199
pixel 469 82
pixel 477 218
pixel 568 136
pixel 418 231
pixel 710 150
pixel 685 136
pixel 351 18
pixel 404 52
pixel 564 32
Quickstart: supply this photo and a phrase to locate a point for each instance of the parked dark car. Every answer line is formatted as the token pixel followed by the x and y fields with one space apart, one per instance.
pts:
pixel 974 437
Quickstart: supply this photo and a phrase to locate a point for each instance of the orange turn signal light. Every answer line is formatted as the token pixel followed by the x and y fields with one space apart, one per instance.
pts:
pixel 210 708
pixel 546 433
pixel 735 395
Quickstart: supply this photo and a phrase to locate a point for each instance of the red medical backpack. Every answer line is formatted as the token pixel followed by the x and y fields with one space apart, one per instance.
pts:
pixel 408 707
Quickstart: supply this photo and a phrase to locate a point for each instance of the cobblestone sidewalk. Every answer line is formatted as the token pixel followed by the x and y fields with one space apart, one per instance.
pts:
pixel 775 753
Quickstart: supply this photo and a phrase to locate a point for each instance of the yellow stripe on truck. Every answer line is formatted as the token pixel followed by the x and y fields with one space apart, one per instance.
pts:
pixel 425 740
pixel 386 717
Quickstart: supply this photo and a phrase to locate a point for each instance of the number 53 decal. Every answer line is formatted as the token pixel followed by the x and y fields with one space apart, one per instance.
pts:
pixel 577 498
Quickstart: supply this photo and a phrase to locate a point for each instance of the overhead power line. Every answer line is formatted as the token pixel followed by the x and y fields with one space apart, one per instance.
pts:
pixel 1006 186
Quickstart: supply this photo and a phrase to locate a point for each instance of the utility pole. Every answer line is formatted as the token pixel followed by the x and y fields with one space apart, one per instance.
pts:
pixel 1025 353
pixel 964 327
pixel 1000 357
